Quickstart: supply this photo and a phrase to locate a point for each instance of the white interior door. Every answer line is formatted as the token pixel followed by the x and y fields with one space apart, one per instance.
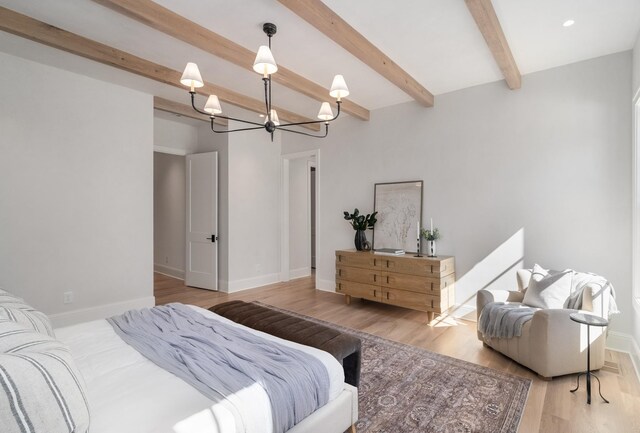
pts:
pixel 202 221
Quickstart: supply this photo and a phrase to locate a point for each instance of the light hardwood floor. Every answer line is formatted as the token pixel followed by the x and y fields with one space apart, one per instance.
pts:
pixel 550 408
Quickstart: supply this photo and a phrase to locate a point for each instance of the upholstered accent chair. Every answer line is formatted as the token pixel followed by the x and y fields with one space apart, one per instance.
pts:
pixel 551 344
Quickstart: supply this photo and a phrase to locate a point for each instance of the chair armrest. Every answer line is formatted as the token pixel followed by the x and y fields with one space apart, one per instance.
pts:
pixel 483 297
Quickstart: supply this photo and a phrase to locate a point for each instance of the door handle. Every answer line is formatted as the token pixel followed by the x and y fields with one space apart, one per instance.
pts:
pixel 212 238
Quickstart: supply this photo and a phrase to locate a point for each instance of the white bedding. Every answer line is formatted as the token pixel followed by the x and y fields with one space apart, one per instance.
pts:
pixel 129 393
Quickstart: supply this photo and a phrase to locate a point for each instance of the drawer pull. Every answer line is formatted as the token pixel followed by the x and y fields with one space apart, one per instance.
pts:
pixel 339 286
pixel 387 295
pixel 339 272
pixel 432 303
pixel 387 279
pixel 374 293
pixel 374 262
pixel 375 278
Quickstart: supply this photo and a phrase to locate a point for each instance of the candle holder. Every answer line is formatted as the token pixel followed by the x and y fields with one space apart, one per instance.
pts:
pixel 418 250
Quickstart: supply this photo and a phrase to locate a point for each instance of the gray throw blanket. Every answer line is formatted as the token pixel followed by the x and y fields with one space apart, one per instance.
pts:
pixel 219 359
pixel 503 320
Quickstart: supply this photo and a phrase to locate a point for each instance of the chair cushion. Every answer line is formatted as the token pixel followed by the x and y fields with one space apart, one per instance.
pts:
pixel 42 389
pixel 548 289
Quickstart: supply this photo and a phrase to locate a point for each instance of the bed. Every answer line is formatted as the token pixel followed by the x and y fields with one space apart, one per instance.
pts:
pixel 129 393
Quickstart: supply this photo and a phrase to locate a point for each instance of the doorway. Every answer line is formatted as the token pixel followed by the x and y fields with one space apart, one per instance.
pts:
pixel 299 215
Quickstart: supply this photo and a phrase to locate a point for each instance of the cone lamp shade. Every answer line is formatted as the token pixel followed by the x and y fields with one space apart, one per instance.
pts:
pixel 191 76
pixel 274 117
pixel 339 88
pixel 325 112
pixel 265 64
pixel 213 105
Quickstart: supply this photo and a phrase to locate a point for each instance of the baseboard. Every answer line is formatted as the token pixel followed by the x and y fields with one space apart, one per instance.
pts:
pixel 325 285
pixel 622 342
pixel 250 283
pixel 100 312
pixel 169 271
pixel 299 273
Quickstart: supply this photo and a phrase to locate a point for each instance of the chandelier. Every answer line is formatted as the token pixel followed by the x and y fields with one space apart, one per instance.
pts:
pixel 266 66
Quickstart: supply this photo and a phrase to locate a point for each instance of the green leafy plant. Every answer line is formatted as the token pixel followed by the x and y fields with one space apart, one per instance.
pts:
pixel 360 222
pixel 430 236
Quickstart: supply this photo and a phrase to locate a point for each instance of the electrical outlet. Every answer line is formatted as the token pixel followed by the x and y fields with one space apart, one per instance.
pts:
pixel 68 297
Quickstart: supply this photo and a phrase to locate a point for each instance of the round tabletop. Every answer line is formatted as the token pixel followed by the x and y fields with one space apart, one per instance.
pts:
pixel 588 319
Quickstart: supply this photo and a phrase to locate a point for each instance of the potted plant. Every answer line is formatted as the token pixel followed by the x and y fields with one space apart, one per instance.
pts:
pixel 360 223
pixel 431 236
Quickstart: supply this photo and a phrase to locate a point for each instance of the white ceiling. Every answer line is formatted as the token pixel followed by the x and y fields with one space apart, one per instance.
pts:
pixel 436 41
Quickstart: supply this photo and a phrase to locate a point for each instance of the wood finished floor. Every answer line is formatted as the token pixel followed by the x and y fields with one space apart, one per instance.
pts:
pixel 550 408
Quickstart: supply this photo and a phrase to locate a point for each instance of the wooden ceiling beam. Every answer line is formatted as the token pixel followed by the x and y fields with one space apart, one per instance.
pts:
pixel 167 21
pixel 316 13
pixel 489 25
pixel 173 107
pixel 38 31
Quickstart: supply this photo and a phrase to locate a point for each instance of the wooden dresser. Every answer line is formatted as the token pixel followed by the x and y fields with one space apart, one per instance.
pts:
pixel 420 283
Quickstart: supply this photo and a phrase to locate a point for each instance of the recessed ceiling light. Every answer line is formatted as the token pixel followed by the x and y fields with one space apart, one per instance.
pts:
pixel 568 23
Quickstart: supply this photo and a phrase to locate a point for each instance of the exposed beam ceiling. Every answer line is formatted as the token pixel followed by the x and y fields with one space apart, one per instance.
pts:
pixel 328 22
pixel 38 31
pixel 487 21
pixel 167 21
pixel 173 107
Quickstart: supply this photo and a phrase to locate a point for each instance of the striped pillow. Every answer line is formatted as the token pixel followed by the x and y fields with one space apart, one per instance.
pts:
pixel 15 309
pixel 41 388
pixel 26 315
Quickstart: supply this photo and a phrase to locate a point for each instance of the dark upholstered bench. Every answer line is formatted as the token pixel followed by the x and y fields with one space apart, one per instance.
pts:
pixel 345 348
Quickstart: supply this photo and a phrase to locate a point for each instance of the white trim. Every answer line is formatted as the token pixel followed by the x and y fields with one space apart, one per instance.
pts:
pixel 284 210
pixel 100 312
pixel 300 272
pixel 168 271
pixel 325 285
pixel 169 150
pixel 284 220
pixel 623 342
pixel 250 283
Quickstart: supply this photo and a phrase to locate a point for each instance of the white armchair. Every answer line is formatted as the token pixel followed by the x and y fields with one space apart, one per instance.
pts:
pixel 551 344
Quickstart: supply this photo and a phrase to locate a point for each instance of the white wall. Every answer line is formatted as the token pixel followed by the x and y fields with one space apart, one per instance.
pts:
pixel 542 174
pixel 299 218
pixel 254 209
pixel 170 134
pixel 75 191
pixel 636 68
pixel 169 214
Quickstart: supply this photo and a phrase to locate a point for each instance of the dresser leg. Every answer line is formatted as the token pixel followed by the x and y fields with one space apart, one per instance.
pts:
pixel 430 316
pixel 347 299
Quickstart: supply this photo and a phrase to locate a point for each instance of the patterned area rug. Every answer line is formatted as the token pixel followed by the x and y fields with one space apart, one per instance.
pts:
pixel 407 389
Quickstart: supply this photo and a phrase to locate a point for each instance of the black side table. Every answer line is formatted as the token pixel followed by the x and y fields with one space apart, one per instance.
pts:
pixel 589 320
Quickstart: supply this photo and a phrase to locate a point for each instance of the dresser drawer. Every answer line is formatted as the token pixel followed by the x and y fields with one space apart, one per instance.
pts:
pixel 358 275
pixel 357 259
pixel 418 266
pixel 359 290
pixel 415 283
pixel 413 300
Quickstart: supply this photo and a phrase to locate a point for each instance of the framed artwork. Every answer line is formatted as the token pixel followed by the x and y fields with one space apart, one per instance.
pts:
pixel 399 207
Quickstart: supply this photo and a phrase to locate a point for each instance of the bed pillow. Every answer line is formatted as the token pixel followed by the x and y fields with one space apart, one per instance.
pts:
pixel 548 290
pixel 15 309
pixel 42 389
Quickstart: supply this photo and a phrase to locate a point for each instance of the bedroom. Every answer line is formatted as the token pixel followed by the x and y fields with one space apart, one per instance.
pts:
pixel 511 177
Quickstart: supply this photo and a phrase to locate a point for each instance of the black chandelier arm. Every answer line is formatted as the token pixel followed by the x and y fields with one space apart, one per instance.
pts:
pixel 193 104
pixel 312 122
pixel 326 132
pixel 267 101
pixel 234 130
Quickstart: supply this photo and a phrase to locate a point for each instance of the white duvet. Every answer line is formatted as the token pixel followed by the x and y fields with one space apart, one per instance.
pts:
pixel 129 393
